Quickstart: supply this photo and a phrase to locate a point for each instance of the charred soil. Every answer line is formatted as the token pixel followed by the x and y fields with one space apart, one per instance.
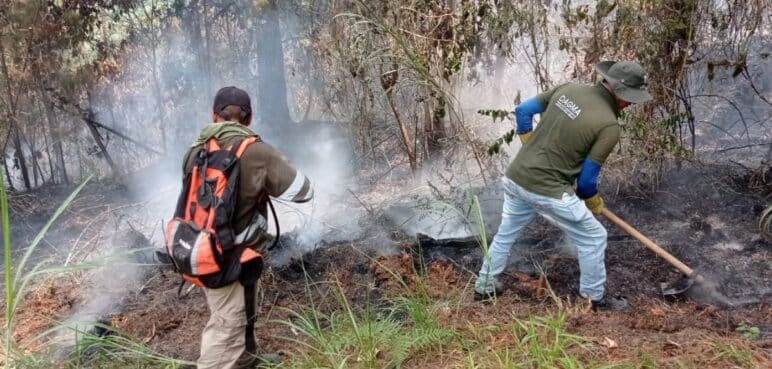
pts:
pixel 709 226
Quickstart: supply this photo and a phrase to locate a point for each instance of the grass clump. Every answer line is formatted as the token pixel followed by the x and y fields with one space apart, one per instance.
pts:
pixel 736 355
pixel 537 341
pixel 543 342
pixel 367 337
pixel 16 282
pixel 113 350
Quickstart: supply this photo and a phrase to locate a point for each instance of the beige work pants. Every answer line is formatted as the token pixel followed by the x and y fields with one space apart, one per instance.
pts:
pixel 225 342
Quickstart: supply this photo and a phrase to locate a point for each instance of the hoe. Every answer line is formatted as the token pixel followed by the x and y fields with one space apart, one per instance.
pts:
pixel 668 289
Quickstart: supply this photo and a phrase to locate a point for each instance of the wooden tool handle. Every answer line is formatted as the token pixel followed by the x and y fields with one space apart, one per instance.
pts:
pixel 647 242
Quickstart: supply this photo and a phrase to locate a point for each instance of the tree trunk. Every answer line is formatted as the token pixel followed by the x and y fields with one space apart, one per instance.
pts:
pixel 46 143
pixel 59 166
pixel 9 181
pixel 89 119
pixel 436 130
pixel 191 24
pixel 10 106
pixel 272 84
pixel 36 171
pixel 19 152
pixel 406 141
pixel 5 164
pixel 49 158
pixel 157 92
pixel 207 47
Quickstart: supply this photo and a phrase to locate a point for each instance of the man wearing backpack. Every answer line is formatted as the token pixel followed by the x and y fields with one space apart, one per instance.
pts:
pixel 228 339
pixel 577 131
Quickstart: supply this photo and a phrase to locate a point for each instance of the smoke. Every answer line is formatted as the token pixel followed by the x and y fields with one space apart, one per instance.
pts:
pixel 322 154
pixel 435 219
pixel 706 290
pixel 170 70
pixel 162 98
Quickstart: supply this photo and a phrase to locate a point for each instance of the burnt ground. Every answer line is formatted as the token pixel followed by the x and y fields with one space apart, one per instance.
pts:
pixel 663 330
pixel 707 221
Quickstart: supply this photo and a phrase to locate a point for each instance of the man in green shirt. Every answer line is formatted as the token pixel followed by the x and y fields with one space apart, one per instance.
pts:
pixel 576 133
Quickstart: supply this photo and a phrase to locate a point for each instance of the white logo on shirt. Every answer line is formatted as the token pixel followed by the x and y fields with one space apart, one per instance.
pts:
pixel 569 107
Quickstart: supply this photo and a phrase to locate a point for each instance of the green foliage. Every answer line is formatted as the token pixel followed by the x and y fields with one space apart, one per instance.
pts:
pixel 426 330
pixel 749 332
pixel 118 350
pixel 537 342
pixel 499 19
pixel 115 350
pixel 479 222
pixel 645 360
pixel 498 114
pixel 653 140
pixel 649 147
pixel 542 342
pixel 367 338
pixel 9 292
pixel 732 353
pixel 15 285
pixel 495 147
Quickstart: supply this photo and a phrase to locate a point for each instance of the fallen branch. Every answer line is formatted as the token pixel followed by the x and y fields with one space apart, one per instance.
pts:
pixel 744 147
pixel 121 135
pixel 364 205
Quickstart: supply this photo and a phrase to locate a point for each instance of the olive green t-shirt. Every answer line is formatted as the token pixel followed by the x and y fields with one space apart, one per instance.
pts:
pixel 578 121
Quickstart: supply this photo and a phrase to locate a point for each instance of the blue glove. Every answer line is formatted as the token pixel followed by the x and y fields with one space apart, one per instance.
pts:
pixel 524 114
pixel 587 181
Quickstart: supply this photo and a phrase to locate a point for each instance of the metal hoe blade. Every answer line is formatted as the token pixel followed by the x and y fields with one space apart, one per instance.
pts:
pixel 676 288
pixel 668 289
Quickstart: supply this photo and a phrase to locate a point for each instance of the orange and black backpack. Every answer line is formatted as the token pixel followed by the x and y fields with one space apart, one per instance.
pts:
pixel 200 239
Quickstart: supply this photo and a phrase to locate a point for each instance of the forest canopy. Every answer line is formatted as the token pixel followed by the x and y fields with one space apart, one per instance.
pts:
pixel 99 86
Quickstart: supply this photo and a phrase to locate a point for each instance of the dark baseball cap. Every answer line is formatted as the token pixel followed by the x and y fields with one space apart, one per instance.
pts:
pixel 232 96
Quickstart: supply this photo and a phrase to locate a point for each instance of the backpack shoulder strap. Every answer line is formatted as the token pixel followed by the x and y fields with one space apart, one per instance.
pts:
pixel 244 144
pixel 212 145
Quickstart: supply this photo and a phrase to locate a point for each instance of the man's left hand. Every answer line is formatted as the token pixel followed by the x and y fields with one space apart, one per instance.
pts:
pixel 525 136
pixel 594 203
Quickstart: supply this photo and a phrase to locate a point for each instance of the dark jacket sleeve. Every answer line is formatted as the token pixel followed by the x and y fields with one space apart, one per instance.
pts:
pixel 266 168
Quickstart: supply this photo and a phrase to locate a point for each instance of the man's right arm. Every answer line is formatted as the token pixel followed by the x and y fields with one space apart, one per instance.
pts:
pixel 299 190
pixel 282 180
pixel 587 181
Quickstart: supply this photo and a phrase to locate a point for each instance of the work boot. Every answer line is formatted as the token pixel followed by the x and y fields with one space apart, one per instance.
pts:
pixel 268 360
pixel 252 361
pixel 610 304
pixel 488 296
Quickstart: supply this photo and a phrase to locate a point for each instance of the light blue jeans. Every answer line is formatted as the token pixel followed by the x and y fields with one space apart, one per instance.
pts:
pixel 570 214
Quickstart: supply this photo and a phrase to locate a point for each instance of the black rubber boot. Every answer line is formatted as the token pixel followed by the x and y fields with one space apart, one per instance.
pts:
pixel 487 296
pixel 268 360
pixel 610 304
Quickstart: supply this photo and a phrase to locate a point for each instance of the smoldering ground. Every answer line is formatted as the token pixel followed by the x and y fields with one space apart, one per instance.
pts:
pixel 322 151
pixel 152 182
